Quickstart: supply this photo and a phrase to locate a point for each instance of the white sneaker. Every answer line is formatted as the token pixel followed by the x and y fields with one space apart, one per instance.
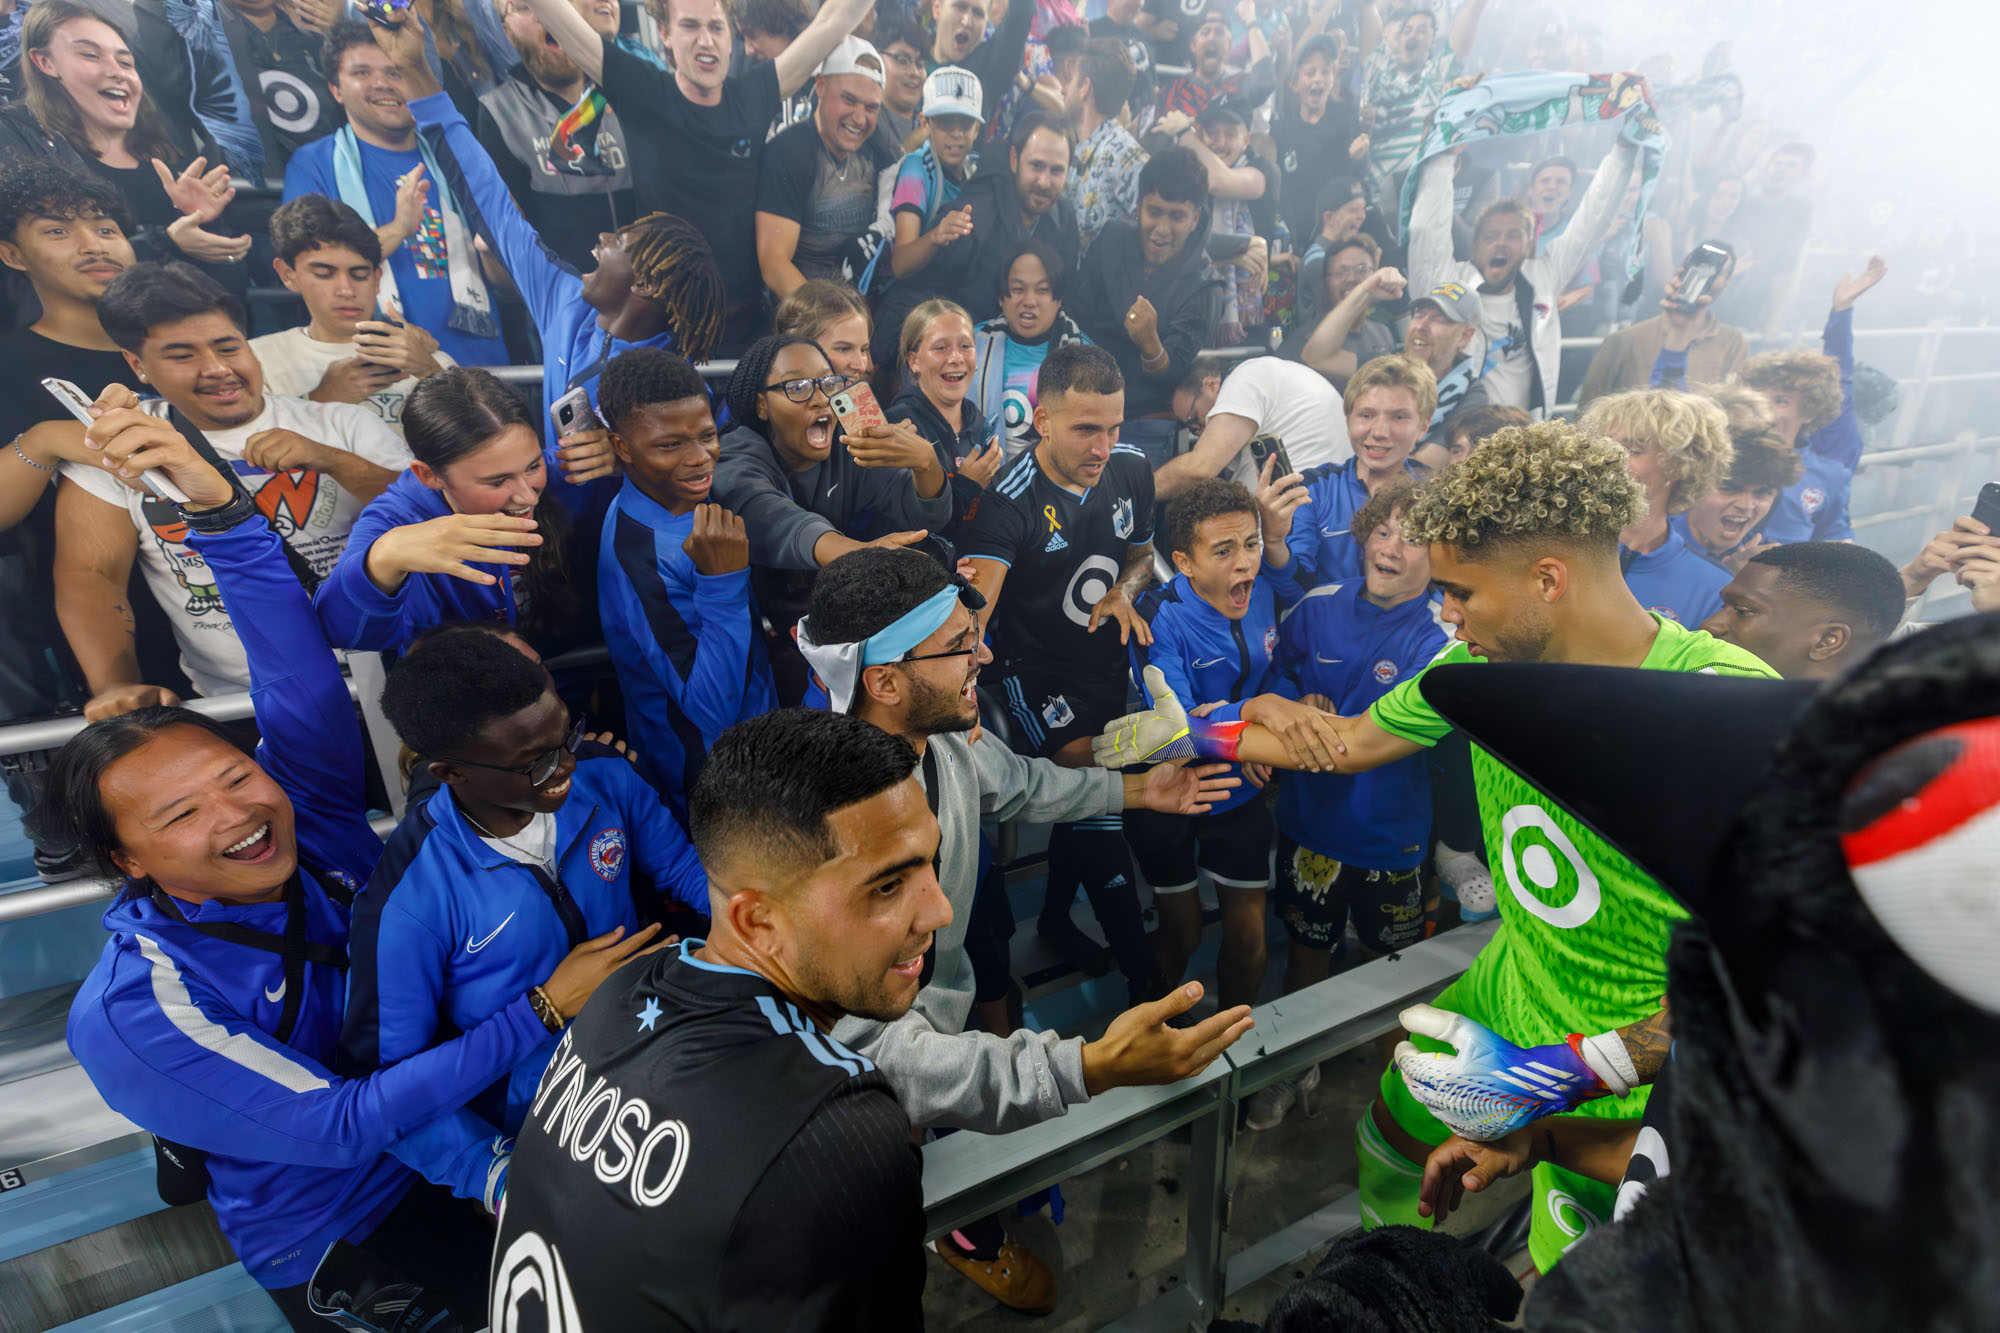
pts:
pixel 1269 1108
pixel 1471 882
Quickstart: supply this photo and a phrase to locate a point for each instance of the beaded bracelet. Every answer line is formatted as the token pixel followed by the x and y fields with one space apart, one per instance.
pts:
pixel 39 467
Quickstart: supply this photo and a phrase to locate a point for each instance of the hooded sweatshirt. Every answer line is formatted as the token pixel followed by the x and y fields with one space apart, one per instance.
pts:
pixel 1186 292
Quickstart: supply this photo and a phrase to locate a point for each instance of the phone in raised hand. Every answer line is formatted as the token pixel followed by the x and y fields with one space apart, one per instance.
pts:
pixel 572 413
pixel 79 403
pixel 388 13
pixel 857 408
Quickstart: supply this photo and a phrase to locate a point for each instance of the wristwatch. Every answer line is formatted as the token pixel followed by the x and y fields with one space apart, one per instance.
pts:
pixel 239 509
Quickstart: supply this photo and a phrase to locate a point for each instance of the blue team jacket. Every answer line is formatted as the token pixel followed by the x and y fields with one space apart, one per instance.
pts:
pixel 1207 657
pixel 449 931
pixel 690 656
pixel 1677 580
pixel 174 1026
pixel 357 615
pixel 1323 551
pixel 1337 643
pixel 1814 508
pixel 575 349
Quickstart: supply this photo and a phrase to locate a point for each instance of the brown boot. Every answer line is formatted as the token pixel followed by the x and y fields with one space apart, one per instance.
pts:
pixel 1015 1277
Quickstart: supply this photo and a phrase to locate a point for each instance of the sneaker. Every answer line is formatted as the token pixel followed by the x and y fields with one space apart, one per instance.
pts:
pixel 1014 1277
pixel 60 865
pixel 1471 883
pixel 1269 1108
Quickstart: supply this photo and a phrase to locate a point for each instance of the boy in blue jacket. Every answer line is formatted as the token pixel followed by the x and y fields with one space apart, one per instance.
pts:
pixel 655 284
pixel 1351 844
pixel 1214 630
pixel 523 852
pixel 212 1018
pixel 673 574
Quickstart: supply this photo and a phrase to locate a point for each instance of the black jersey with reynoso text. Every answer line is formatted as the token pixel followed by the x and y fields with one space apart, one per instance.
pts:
pixel 1063 552
pixel 699 1156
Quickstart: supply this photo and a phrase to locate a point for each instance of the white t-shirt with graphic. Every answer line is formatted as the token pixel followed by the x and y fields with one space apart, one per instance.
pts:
pixel 295 362
pixel 309 509
pixel 1502 339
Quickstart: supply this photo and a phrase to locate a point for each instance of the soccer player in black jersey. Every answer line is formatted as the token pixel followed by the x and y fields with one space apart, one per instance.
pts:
pixel 702 1154
pixel 1068 532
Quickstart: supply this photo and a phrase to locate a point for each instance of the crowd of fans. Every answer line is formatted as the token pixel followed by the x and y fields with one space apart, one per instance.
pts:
pixel 1183 324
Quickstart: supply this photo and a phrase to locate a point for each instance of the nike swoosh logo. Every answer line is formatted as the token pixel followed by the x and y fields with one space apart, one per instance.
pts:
pixel 470 947
pixel 1213 661
pixel 1329 661
pixel 275 995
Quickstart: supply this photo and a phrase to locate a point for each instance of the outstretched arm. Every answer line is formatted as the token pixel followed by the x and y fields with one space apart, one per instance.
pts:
pixel 1326 350
pixel 795 64
pixel 1275 731
pixel 579 41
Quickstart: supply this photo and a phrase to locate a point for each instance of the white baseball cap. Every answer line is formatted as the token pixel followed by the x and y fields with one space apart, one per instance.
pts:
pixel 953 91
pixel 853 56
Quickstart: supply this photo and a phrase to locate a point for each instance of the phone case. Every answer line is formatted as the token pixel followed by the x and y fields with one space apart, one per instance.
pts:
pixel 857 409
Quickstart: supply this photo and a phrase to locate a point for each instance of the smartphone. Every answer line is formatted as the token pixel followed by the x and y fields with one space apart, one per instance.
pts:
pixel 1265 447
pixel 1699 272
pixel 78 403
pixel 1987 511
pixel 572 412
pixel 388 13
pixel 857 409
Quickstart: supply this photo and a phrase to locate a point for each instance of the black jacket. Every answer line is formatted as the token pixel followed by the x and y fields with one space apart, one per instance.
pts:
pixel 953 447
pixel 966 270
pixel 1186 293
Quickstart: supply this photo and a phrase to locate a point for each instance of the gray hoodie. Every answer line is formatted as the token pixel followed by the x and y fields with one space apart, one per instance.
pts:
pixel 942 1074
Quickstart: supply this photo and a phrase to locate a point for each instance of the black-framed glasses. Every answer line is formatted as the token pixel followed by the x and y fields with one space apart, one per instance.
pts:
pixel 801 390
pixel 932 657
pixel 543 768
pixel 901 59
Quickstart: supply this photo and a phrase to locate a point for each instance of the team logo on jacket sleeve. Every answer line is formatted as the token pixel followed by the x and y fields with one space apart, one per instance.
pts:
pixel 607 854
pixel 1385 671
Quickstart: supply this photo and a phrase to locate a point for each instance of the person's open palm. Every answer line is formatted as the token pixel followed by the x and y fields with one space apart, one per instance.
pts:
pixel 199 192
pixel 1851 285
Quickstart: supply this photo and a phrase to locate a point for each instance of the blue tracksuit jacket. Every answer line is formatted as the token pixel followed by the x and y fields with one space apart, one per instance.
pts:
pixel 1323 551
pixel 174 1026
pixel 1814 508
pixel 1677 580
pixel 1337 643
pixel 449 931
pixel 357 615
pixel 690 656
pixel 574 349
pixel 1207 657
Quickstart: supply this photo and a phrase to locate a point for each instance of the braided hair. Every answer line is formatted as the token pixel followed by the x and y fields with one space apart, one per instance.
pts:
pixel 753 370
pixel 673 261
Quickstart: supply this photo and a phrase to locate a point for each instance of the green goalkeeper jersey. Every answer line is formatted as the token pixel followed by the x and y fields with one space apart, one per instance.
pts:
pixel 1583 940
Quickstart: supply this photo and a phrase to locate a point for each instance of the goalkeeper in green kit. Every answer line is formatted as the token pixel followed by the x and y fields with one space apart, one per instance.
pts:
pixel 1523 538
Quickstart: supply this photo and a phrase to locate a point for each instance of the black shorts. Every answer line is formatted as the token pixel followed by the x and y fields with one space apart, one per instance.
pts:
pixel 1050 709
pixel 1234 847
pixel 1316 893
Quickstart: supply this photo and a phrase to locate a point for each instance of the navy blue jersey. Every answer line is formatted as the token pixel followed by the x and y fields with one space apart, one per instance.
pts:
pixel 1675 580
pixel 1322 548
pixel 1063 552
pixel 1337 643
pixel 689 654
pixel 1206 656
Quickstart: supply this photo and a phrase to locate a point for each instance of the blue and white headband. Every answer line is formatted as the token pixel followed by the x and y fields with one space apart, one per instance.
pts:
pixel 839 665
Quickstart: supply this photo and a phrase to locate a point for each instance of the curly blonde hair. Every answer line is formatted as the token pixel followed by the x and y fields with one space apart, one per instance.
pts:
pixel 1689 434
pixel 1749 411
pixel 1542 481
pixel 1810 377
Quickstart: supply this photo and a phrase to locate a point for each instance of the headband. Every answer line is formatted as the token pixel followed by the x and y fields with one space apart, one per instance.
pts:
pixel 839 665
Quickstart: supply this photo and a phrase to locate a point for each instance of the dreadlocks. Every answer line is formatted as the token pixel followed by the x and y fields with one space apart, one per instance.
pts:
pixel 672 260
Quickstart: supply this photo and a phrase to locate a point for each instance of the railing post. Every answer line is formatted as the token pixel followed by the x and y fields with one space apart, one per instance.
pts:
pixel 367 672
pixel 1211 1189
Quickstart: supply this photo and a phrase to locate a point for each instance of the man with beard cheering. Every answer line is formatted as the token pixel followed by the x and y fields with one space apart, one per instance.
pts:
pixel 895 640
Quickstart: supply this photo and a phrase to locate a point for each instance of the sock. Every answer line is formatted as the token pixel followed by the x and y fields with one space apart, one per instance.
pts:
pixel 1092 852
pixel 1387 1180
pixel 980 1239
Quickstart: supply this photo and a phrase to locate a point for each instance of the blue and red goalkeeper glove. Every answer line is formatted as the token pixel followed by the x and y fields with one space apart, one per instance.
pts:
pixel 1487 1087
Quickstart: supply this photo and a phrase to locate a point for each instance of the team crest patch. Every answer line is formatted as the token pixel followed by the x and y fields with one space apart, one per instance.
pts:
pixel 1665 612
pixel 346 881
pixel 1291 160
pixel 1057 712
pixel 1385 671
pixel 1811 498
pixel 607 854
pixel 1121 518
pixel 1270 640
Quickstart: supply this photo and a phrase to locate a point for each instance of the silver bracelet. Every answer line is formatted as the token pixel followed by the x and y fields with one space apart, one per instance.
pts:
pixel 39 467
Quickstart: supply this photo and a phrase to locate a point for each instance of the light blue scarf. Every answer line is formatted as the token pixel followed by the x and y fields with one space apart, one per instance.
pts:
pixel 1502 106
pixel 471 307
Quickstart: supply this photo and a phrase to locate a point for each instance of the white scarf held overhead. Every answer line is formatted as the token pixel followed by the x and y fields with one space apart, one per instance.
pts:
pixel 471 307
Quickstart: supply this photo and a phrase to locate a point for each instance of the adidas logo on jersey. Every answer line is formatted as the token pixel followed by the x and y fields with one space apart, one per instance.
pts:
pixel 1056 543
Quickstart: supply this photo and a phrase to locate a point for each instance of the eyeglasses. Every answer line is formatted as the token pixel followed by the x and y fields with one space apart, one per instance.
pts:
pixel 900 59
pixel 932 657
pixel 543 768
pixel 801 390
